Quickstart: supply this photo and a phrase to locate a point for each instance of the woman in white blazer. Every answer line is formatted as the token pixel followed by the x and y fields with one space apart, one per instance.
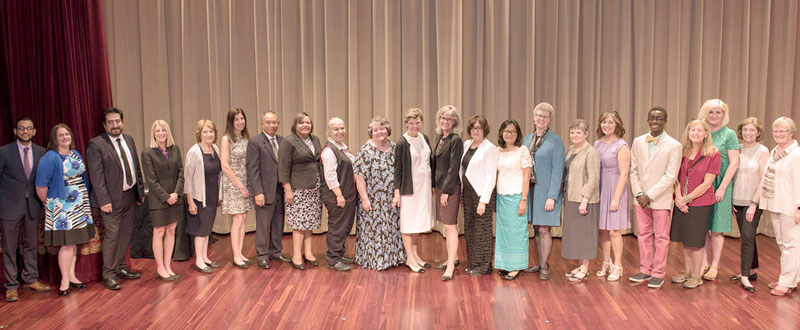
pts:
pixel 478 177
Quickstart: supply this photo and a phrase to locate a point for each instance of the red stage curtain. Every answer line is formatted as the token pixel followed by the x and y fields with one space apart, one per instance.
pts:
pixel 54 70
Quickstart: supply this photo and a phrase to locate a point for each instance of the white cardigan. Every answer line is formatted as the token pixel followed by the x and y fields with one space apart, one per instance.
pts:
pixel 786 199
pixel 194 174
pixel 482 169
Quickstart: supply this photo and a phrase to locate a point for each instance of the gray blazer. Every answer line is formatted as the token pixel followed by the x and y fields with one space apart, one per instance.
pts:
pixel 297 164
pixel 262 167
pixel 164 176
pixel 105 171
pixel 14 185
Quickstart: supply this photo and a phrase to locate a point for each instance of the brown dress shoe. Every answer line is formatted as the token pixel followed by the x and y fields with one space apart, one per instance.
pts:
pixel 36 286
pixel 12 295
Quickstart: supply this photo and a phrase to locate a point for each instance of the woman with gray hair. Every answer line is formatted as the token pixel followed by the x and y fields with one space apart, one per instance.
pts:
pixel 780 195
pixel 446 183
pixel 379 244
pixel 581 191
pixel 547 152
pixel 338 194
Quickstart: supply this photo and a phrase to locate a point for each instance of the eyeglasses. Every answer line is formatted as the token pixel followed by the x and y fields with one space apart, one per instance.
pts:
pixel 780 131
pixel 509 132
pixel 447 119
pixel 22 128
pixel 476 128
pixel 541 116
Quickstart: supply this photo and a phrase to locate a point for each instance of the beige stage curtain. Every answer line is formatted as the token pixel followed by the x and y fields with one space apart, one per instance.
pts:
pixel 355 59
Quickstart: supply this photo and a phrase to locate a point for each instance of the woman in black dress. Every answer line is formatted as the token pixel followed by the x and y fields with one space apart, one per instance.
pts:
pixel 202 190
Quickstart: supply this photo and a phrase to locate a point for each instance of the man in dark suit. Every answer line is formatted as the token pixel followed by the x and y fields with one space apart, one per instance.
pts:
pixel 20 207
pixel 262 173
pixel 113 166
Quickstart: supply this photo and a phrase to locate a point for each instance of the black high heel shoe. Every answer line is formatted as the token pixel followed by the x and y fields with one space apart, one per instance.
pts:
pixel 444 264
pixel 77 285
pixel 311 262
pixel 449 277
pixel 63 293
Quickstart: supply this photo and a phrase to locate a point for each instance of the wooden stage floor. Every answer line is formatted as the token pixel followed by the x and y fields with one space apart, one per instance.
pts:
pixel 320 298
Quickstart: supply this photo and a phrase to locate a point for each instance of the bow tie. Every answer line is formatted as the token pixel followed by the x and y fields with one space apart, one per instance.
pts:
pixel 649 139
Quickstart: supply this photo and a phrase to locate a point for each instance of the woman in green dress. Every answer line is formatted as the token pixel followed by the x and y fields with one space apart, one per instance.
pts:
pixel 716 114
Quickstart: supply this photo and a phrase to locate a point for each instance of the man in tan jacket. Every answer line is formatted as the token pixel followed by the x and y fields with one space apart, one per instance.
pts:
pixel 655 161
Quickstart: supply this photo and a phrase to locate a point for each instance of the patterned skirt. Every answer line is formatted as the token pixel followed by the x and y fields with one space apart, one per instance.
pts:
pixel 68 221
pixel 306 212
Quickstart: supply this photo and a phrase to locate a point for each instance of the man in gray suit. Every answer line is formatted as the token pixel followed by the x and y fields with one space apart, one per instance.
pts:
pixel 113 166
pixel 262 173
pixel 19 207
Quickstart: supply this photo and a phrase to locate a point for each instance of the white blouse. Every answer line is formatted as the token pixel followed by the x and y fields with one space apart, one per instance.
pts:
pixel 786 199
pixel 510 165
pixel 748 176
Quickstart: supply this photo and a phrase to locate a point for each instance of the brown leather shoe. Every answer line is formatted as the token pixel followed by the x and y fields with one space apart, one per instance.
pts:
pixel 12 295
pixel 36 286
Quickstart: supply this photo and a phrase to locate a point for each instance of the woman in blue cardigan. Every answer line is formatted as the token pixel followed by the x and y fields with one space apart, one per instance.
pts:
pixel 544 201
pixel 62 183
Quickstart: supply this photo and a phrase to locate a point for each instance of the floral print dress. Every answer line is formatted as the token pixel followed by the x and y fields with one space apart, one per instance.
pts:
pixel 68 220
pixel 379 244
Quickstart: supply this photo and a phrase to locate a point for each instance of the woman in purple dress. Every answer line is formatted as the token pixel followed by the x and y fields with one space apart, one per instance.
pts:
pixel 615 163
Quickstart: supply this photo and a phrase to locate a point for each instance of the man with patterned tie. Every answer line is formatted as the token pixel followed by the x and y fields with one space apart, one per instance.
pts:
pixel 113 166
pixel 20 209
pixel 655 161
pixel 262 174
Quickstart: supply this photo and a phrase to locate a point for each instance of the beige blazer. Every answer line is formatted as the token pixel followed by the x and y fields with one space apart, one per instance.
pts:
pixel 584 175
pixel 655 174
pixel 194 174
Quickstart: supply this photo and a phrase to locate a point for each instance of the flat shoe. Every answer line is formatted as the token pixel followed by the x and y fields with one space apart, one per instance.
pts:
pixel 242 265
pixel 747 288
pixel 510 277
pixel 63 293
pixel 249 261
pixel 776 292
pixel 418 270
pixel 206 270
pixel 533 269
pixel 444 264
pixel 213 264
pixel 298 267
pixel 165 279
pixel 77 285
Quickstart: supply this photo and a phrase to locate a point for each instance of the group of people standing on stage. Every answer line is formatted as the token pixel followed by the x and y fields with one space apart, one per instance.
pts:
pixel 684 191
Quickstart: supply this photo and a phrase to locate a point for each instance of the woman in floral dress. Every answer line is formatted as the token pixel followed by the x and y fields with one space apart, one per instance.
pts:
pixel 379 244
pixel 62 183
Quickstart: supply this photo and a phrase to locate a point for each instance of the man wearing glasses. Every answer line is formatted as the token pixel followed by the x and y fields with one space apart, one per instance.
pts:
pixel 20 209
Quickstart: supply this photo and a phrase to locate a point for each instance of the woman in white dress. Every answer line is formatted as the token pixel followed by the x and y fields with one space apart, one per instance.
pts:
pixel 413 187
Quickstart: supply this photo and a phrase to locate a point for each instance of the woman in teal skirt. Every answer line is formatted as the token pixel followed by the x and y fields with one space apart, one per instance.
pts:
pixel 715 112
pixel 513 177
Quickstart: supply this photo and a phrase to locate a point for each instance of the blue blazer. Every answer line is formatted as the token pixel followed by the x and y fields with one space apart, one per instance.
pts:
pixel 549 164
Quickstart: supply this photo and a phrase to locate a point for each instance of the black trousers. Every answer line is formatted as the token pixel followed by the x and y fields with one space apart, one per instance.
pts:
pixel 11 232
pixel 117 231
pixel 269 228
pixel 340 222
pixel 748 230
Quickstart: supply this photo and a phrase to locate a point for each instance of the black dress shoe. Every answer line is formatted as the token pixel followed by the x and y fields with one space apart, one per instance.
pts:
pixel 241 265
pixel 263 264
pixel 752 277
pixel 503 272
pixel 281 258
pixel 77 285
pixel 128 275
pixel 347 260
pixel 298 267
pixel 213 264
pixel 63 292
pixel 311 262
pixel 111 284
pixel 475 272
pixel 449 277
pixel 340 266
pixel 748 288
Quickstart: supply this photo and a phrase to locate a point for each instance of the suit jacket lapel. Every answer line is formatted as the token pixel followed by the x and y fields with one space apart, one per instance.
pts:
pixel 113 149
pixel 268 145
pixel 658 148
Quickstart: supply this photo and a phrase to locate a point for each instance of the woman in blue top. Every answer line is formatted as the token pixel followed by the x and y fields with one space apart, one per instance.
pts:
pixel 545 193
pixel 62 183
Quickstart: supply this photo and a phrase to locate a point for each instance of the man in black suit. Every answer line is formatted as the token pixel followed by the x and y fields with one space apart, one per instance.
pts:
pixel 113 166
pixel 20 207
pixel 262 173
